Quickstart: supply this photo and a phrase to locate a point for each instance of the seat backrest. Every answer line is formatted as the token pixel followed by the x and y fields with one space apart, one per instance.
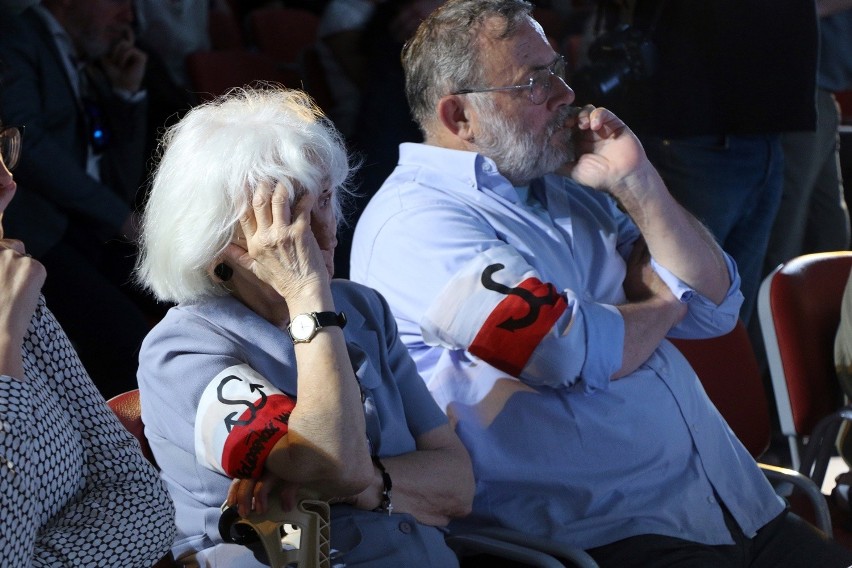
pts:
pixel 283 33
pixel 729 372
pixel 799 310
pixel 129 412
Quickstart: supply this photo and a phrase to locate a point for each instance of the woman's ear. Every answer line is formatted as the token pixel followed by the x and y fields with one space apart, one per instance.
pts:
pixel 454 114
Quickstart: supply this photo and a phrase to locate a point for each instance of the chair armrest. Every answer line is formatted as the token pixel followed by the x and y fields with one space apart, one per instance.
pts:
pixel 820 445
pixel 576 556
pixel 807 485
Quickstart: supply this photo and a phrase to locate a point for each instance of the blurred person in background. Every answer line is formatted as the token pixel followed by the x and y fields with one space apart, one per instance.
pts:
pixel 72 75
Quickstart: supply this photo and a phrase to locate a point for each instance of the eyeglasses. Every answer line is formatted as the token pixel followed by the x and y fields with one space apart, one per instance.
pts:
pixel 539 85
pixel 10 145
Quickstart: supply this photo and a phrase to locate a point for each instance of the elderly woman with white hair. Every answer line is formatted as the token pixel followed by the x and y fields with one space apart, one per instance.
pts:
pixel 267 371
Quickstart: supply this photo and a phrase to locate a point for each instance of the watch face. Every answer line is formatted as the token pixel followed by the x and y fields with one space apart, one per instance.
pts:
pixel 303 327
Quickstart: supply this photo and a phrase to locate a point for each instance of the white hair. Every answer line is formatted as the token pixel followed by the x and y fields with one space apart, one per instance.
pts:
pixel 211 162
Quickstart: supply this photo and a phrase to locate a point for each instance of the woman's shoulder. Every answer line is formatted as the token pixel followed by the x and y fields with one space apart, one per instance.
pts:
pixel 361 304
pixel 354 295
pixel 218 324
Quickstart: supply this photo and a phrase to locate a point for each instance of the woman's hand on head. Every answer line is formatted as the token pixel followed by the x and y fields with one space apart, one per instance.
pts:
pixel 280 247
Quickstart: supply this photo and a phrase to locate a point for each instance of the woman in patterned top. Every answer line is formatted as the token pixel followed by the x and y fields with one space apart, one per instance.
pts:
pixel 74 487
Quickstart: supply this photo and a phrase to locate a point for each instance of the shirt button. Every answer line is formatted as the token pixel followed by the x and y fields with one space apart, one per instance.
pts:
pixel 404 527
pixel 711 500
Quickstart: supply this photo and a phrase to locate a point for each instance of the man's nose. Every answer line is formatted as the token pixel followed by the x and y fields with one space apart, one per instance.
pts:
pixel 561 94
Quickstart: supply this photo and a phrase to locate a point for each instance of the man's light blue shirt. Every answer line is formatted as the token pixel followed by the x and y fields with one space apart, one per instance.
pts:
pixel 559 450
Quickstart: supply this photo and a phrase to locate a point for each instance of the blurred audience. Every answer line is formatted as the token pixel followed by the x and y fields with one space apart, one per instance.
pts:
pixel 813 216
pixel 384 119
pixel 341 36
pixel 176 28
pixel 74 487
pixel 72 74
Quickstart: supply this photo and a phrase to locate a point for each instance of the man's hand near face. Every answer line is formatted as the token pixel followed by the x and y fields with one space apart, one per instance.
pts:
pixel 125 64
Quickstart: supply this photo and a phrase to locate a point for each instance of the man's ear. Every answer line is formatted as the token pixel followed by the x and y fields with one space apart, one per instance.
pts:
pixel 454 115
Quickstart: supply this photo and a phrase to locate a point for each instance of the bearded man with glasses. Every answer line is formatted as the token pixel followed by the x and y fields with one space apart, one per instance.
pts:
pixel 551 264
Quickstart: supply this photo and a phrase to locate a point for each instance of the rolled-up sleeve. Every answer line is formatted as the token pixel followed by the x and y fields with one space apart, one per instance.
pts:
pixel 704 318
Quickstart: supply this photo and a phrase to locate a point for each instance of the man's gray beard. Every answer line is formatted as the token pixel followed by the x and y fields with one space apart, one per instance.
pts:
pixel 518 155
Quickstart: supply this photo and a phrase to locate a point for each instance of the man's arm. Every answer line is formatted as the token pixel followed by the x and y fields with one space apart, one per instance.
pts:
pixel 611 159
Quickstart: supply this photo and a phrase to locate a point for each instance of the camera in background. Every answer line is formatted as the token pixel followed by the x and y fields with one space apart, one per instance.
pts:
pixel 620 62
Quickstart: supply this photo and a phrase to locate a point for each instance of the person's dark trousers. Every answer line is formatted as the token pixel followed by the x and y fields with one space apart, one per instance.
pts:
pixel 786 542
pixel 104 324
pixel 733 185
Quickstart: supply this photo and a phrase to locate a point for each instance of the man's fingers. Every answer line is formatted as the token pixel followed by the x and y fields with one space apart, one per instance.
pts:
pixel 605 122
pixel 14 245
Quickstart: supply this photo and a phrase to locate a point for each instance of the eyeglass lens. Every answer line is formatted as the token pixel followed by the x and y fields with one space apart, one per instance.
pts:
pixel 10 146
pixel 541 83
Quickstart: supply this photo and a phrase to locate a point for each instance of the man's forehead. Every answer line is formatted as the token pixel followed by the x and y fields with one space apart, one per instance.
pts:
pixel 524 50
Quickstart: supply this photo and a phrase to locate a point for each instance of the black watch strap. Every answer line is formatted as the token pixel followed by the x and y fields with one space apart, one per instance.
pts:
pixel 330 319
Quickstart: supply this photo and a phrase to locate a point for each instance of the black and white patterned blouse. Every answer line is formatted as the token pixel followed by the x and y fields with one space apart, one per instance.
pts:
pixel 74 488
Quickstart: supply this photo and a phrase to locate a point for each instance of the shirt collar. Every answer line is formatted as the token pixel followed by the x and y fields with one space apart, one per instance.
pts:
pixel 471 168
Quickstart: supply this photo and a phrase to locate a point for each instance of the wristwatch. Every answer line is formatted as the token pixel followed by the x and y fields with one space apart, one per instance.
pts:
pixel 304 327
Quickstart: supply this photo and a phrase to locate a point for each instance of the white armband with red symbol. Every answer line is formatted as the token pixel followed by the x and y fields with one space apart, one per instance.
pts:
pixel 497 309
pixel 240 418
